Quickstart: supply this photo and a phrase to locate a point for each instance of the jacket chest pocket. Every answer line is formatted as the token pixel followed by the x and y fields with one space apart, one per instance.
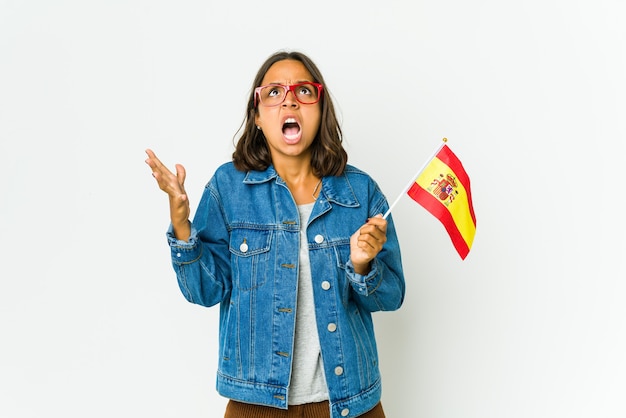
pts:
pixel 250 253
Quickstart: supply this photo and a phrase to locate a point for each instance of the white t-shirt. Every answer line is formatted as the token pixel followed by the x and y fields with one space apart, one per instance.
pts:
pixel 307 383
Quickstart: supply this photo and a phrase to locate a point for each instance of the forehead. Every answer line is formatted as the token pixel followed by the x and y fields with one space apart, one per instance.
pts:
pixel 287 72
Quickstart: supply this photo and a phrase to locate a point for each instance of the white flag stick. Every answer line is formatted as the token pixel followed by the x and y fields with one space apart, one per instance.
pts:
pixel 408 186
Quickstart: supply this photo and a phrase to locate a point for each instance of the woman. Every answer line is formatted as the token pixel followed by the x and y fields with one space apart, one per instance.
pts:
pixel 289 240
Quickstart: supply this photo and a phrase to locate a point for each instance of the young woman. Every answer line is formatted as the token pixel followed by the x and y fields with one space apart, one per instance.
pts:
pixel 289 240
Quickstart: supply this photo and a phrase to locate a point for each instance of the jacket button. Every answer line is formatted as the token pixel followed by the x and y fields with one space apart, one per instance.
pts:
pixel 345 412
pixel 338 370
pixel 332 327
pixel 319 239
pixel 243 247
pixel 325 285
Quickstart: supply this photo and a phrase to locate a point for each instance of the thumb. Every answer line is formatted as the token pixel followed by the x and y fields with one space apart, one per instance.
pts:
pixel 181 174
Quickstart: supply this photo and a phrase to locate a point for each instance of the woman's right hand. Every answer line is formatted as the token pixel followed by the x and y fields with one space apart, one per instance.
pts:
pixel 174 186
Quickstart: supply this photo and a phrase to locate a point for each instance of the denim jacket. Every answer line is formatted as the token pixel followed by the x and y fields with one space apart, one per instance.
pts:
pixel 243 254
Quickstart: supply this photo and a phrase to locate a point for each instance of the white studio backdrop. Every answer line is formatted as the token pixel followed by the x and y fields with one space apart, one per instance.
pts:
pixel 531 95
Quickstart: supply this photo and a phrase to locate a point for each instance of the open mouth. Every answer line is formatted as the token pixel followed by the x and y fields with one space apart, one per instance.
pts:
pixel 291 129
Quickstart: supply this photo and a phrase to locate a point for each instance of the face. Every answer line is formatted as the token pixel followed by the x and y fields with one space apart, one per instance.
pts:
pixel 290 127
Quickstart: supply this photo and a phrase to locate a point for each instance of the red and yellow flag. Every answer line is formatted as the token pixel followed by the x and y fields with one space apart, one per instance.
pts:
pixel 443 189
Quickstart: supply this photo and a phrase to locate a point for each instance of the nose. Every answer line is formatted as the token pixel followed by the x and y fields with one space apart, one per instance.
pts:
pixel 290 99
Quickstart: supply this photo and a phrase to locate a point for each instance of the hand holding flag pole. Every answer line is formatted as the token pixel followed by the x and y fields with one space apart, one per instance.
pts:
pixel 442 187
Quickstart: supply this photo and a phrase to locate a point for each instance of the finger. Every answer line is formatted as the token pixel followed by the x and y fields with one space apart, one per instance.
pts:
pixel 152 159
pixel 154 162
pixel 378 233
pixel 379 222
pixel 162 174
pixel 369 235
pixel 181 174
pixel 372 241
pixel 365 245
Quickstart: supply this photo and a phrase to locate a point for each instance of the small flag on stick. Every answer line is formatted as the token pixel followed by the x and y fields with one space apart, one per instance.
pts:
pixel 442 187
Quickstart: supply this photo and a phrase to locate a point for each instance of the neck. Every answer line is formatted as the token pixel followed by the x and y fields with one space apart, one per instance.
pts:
pixel 299 177
pixel 303 185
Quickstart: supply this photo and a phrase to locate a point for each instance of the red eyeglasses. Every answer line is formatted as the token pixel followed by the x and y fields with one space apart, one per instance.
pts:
pixel 275 94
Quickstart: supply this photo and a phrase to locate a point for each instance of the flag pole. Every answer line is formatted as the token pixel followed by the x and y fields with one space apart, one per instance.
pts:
pixel 408 186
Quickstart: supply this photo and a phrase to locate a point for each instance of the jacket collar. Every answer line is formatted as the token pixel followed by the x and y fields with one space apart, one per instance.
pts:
pixel 336 189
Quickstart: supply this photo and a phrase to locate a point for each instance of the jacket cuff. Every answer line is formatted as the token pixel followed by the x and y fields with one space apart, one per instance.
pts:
pixel 183 252
pixel 363 285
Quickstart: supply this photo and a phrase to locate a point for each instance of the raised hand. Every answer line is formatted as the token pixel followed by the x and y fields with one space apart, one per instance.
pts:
pixel 174 186
pixel 367 242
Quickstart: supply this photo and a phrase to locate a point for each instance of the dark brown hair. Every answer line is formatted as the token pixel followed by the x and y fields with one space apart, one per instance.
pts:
pixel 328 157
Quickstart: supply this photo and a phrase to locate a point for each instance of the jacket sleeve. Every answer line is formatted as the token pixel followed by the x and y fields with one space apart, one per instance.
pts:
pixel 202 264
pixel 383 288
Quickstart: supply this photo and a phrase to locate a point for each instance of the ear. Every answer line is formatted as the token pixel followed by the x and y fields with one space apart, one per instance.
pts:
pixel 257 120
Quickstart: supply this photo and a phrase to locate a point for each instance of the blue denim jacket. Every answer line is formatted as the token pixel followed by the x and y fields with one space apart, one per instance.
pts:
pixel 243 254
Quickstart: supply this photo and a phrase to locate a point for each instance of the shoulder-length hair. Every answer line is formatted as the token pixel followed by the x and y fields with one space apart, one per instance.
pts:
pixel 328 156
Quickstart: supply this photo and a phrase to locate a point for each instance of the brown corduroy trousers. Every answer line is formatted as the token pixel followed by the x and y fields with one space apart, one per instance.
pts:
pixel 236 409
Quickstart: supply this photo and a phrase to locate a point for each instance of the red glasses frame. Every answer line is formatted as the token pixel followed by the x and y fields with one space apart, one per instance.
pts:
pixel 288 88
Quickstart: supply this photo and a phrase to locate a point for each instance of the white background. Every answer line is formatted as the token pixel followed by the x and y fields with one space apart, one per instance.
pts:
pixel 531 95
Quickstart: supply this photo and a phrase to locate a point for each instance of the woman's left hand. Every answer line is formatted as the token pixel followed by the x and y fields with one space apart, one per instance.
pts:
pixel 367 242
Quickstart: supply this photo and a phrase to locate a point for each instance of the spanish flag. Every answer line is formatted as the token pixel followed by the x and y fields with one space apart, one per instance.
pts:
pixel 443 189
